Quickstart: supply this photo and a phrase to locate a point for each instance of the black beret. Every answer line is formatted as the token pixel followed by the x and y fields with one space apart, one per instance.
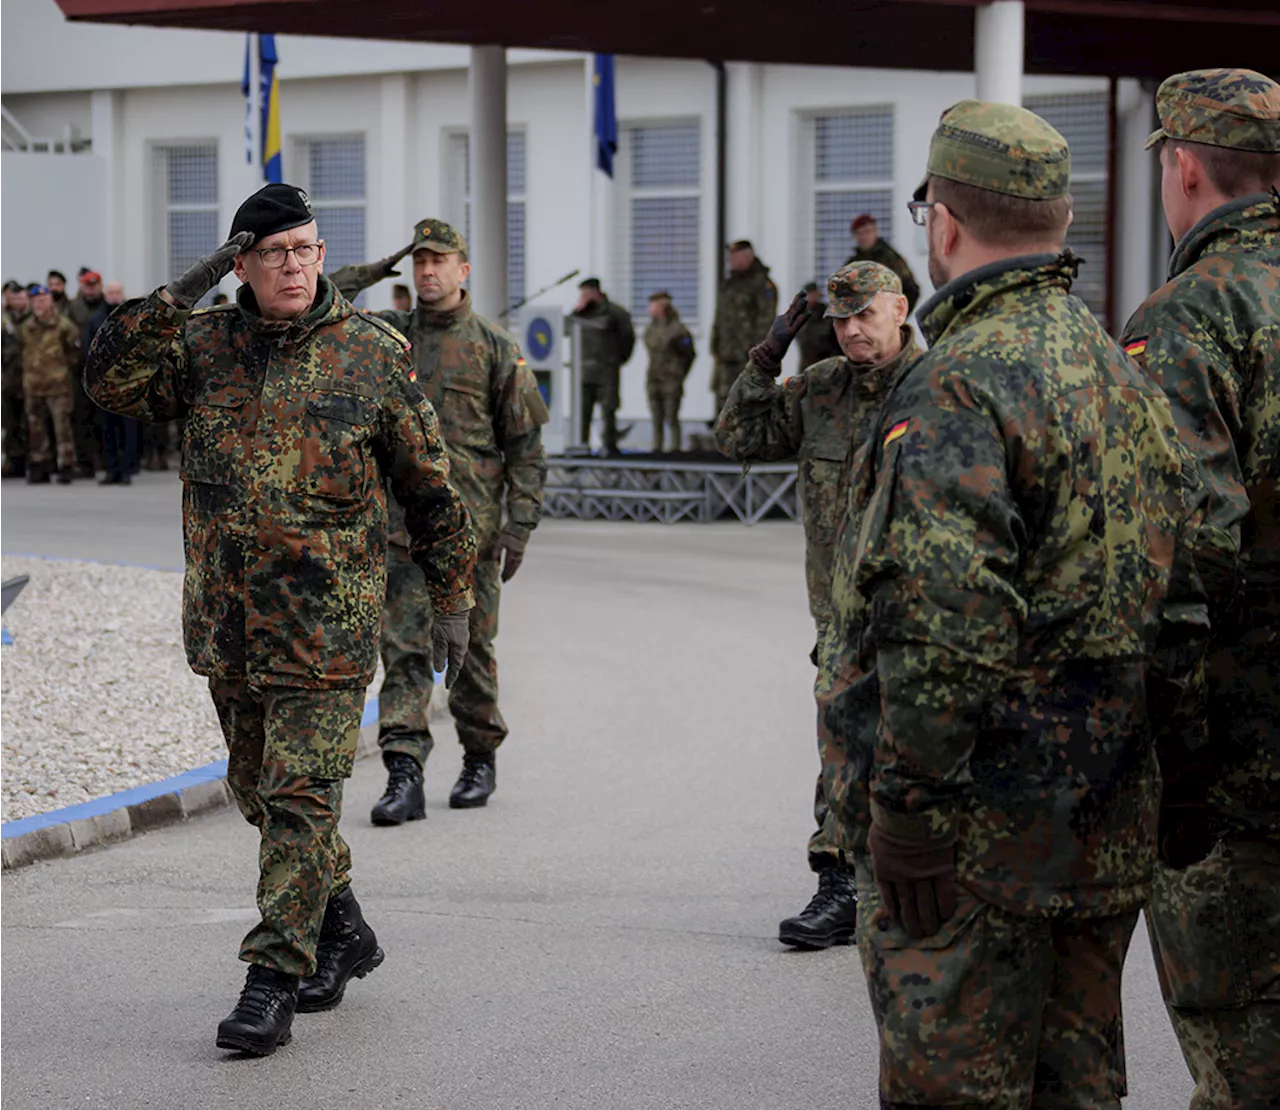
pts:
pixel 590 283
pixel 272 209
pixel 12 286
pixel 55 274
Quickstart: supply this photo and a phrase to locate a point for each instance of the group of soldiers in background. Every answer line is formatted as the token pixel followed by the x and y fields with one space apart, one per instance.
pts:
pixel 745 307
pixel 51 428
pixel 1044 567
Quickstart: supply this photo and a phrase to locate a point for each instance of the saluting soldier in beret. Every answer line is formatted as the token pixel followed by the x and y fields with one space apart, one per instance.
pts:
pixel 824 415
pixel 1015 553
pixel 1211 339
pixel 299 409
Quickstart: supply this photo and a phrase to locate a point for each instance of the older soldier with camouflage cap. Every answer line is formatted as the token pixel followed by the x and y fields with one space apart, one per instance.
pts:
pixel 1211 339
pixel 1016 547
pixel 491 417
pixel 299 412
pixel 823 415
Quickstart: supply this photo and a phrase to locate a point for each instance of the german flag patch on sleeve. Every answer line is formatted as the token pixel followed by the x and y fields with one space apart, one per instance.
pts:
pixel 896 432
pixel 1134 349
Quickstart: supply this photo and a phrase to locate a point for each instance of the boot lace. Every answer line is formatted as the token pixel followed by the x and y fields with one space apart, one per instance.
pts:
pixel 259 997
pixel 401 773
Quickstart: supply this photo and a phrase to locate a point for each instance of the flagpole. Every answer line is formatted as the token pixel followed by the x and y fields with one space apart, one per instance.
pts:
pixel 594 253
pixel 255 105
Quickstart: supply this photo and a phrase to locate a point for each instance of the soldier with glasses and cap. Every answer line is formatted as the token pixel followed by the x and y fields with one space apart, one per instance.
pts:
pixel 300 413
pixel 1025 497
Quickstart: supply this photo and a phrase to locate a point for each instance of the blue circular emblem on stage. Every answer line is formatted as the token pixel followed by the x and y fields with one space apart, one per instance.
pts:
pixel 539 338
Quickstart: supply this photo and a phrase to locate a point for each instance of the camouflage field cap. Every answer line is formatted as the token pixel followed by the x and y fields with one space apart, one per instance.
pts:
pixel 853 287
pixel 438 236
pixel 999 147
pixel 1235 108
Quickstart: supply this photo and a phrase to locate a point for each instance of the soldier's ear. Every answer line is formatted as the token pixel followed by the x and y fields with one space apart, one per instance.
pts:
pixel 900 308
pixel 1190 171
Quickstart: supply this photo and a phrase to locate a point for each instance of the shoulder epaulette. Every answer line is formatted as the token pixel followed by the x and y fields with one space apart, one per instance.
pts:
pixel 391 330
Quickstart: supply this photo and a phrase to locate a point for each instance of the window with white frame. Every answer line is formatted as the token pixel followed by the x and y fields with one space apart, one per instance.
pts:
pixel 332 171
pixel 846 163
pixel 458 200
pixel 186 182
pixel 1082 119
pixel 658 186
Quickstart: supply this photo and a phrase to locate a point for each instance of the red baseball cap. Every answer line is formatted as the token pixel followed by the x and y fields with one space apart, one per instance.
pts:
pixel 862 221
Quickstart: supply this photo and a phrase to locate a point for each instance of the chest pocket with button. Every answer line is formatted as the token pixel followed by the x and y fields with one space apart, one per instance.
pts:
pixel 218 438
pixel 333 455
pixel 465 419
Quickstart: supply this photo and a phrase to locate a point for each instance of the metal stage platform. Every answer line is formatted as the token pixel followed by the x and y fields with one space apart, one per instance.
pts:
pixel 668 488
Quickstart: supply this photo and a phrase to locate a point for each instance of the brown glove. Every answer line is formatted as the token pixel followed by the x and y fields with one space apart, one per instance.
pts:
pixel 916 879
pixel 450 638
pixel 385 267
pixel 768 355
pixel 511 547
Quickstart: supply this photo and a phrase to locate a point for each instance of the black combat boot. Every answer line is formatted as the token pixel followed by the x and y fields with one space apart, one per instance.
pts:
pixel 479 779
pixel 37 475
pixel 347 948
pixel 830 916
pixel 263 1018
pixel 404 800
pixel 65 475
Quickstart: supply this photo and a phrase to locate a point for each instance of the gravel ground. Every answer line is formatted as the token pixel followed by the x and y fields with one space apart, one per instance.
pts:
pixel 97 696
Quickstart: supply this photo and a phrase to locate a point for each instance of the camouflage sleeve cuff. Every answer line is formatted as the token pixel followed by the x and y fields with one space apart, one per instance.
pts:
pixel 453 603
pixel 519 529
pixel 934 824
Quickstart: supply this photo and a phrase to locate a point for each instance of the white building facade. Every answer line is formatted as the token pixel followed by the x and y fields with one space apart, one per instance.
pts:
pixel 146 163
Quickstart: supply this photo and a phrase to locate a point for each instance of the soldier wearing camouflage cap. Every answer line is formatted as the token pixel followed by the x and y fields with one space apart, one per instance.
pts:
pixel 1211 339
pixel 491 417
pixel 1020 506
pixel 823 415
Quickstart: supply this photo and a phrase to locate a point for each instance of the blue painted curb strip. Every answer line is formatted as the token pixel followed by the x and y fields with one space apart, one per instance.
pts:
pixel 96 808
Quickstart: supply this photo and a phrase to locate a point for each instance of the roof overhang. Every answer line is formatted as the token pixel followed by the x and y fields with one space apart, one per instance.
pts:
pixel 1121 38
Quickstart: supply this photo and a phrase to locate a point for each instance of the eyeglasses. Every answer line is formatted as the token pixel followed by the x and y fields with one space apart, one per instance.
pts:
pixel 307 254
pixel 919 210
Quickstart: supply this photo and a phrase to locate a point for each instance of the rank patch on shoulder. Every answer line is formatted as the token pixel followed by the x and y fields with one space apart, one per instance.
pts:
pixel 896 432
pixel 1136 347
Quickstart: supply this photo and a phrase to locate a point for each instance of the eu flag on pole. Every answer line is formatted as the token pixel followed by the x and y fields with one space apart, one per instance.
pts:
pixel 606 114
pixel 272 170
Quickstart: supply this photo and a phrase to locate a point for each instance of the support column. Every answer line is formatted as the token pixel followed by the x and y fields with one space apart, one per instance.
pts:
pixel 1136 175
pixel 744 215
pixel 390 227
pixel 998 50
pixel 105 128
pixel 487 90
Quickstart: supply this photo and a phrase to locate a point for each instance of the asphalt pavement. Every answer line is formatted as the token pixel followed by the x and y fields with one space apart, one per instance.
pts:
pixel 601 936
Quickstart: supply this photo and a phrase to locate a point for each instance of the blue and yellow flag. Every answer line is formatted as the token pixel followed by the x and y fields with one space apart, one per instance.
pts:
pixel 606 114
pixel 268 154
pixel 272 170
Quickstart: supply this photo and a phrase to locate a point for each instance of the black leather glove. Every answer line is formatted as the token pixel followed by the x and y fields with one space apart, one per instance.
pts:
pixel 769 354
pixel 450 637
pixel 385 267
pixel 184 291
pixel 916 879
pixel 511 547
